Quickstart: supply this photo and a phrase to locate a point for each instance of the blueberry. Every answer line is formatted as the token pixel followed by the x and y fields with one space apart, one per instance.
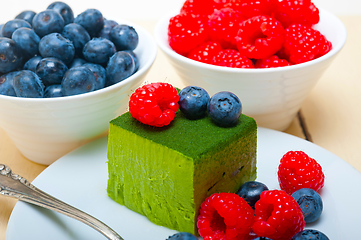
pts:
pixel 98 50
pixel 26 15
pixel 64 10
pixel 48 21
pixel 99 74
pixel 53 91
pixel 107 28
pixel 310 234
pixel 78 80
pixel 124 37
pixel 10 26
pixel 10 58
pixel 7 84
pixel 135 58
pixel 28 84
pixel 310 202
pixel 57 46
pixel 224 108
pixel 120 66
pixel 193 102
pixel 251 191
pixel 92 20
pixel 78 35
pixel 32 63
pixel 77 62
pixel 182 236
pixel 27 41
pixel 1 27
pixel 51 71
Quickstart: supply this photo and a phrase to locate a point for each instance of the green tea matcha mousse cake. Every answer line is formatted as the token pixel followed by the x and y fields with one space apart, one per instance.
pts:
pixel 164 165
pixel 166 173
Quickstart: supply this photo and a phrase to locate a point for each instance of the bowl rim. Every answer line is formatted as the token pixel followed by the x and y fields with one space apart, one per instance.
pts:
pixel 151 55
pixel 171 53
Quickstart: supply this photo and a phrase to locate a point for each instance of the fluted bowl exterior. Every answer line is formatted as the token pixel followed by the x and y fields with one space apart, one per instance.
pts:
pixel 45 129
pixel 272 96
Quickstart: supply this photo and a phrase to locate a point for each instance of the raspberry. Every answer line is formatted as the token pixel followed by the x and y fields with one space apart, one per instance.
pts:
pixel 218 4
pixel 225 216
pixel 199 8
pixel 205 52
pixel 297 170
pixel 186 32
pixel 303 44
pixel 251 8
pixel 260 37
pixel 277 216
pixel 223 26
pixel 232 58
pixel 154 104
pixel 271 62
pixel 290 12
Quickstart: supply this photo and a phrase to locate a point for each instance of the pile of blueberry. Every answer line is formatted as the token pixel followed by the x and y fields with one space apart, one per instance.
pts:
pixel 54 54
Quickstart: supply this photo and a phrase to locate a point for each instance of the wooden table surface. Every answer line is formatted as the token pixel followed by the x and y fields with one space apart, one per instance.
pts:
pixel 329 117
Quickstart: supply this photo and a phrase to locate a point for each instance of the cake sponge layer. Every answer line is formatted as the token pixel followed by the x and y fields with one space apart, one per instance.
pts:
pixel 166 173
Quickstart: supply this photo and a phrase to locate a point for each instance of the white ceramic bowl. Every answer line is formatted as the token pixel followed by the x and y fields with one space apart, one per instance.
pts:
pixel 272 96
pixel 46 129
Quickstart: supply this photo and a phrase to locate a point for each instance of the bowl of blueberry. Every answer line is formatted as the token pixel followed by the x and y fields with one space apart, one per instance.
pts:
pixel 269 53
pixel 63 77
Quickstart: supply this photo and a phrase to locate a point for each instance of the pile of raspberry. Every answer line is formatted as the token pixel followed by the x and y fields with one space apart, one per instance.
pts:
pixel 275 215
pixel 248 33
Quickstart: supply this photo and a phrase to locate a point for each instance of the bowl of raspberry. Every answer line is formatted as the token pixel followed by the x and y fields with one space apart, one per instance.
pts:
pixel 63 92
pixel 269 53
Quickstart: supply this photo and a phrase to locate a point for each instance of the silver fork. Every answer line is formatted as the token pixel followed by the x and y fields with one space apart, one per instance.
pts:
pixel 13 185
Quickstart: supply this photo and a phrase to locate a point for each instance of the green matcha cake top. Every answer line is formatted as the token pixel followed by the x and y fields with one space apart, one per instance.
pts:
pixel 203 133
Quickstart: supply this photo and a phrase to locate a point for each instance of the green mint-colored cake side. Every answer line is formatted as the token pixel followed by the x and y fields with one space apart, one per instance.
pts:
pixel 166 173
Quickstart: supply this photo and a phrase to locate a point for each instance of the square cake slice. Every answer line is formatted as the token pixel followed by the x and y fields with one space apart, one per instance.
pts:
pixel 166 173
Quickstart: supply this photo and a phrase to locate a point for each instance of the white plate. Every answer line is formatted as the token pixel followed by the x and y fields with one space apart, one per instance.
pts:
pixel 80 179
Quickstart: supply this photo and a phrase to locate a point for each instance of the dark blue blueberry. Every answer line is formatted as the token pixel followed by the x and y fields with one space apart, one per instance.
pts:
pixel 7 84
pixel 28 84
pixel 310 202
pixel 107 28
pixel 92 20
pixel 98 50
pixel 78 80
pixel 1 26
pixel 135 58
pixel 78 35
pixel 26 15
pixel 124 37
pixel 53 91
pixel 99 74
pixel 224 108
pixel 57 46
pixel 182 236
pixel 310 234
pixel 51 71
pixel 10 56
pixel 10 26
pixel 120 66
pixel 32 63
pixel 77 62
pixel 48 21
pixel 193 102
pixel 64 10
pixel 251 191
pixel 27 41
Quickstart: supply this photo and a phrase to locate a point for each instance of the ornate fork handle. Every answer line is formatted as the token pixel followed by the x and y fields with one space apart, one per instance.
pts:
pixel 15 186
